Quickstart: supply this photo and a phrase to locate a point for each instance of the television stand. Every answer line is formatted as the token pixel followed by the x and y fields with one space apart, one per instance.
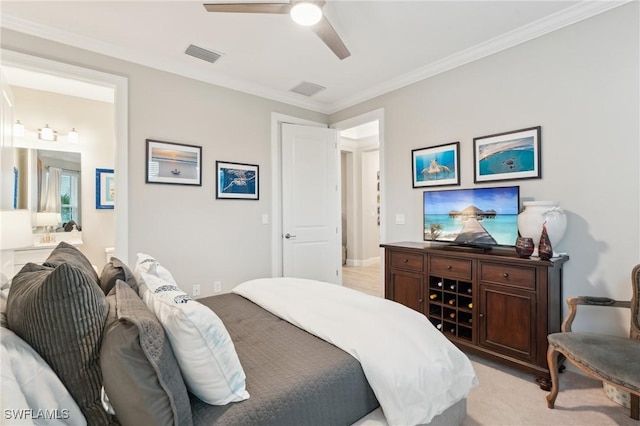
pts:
pixel 491 303
pixel 467 248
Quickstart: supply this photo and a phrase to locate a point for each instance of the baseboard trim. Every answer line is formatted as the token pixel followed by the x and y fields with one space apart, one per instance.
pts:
pixel 365 262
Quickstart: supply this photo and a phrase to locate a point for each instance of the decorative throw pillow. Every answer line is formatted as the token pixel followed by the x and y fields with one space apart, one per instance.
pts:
pixel 116 270
pixel 141 375
pixel 61 313
pixel 203 347
pixel 149 265
pixel 28 383
pixel 66 253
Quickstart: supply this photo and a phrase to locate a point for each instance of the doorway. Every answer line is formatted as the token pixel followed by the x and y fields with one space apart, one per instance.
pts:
pixel 361 202
pixel 119 86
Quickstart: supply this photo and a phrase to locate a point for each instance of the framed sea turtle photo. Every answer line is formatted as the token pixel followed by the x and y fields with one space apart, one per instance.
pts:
pixel 507 156
pixel 436 165
pixel 237 181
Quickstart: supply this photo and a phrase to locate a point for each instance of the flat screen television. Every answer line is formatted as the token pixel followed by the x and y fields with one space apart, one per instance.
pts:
pixel 477 217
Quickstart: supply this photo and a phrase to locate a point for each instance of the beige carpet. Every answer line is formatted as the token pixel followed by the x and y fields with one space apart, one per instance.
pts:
pixel 509 397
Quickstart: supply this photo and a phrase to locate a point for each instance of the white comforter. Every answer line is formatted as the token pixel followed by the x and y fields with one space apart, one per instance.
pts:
pixel 414 371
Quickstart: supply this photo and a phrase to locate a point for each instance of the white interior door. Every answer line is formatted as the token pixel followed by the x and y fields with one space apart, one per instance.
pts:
pixel 310 203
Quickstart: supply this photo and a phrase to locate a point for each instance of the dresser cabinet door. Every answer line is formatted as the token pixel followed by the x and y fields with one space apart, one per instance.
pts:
pixel 407 289
pixel 508 321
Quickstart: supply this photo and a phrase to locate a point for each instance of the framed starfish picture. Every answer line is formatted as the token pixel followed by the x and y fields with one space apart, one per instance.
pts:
pixel 436 165
pixel 237 181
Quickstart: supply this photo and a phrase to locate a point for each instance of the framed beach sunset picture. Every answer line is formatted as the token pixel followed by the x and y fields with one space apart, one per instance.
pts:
pixel 173 163
pixel 436 165
pixel 507 156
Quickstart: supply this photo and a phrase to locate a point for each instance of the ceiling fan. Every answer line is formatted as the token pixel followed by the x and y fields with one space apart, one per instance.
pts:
pixel 309 13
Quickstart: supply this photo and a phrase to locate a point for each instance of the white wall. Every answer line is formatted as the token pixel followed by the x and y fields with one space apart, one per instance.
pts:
pixel 581 85
pixel 360 165
pixel 370 229
pixel 200 239
pixel 94 121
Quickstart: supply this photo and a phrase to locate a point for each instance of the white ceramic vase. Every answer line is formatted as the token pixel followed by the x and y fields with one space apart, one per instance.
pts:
pixel 537 213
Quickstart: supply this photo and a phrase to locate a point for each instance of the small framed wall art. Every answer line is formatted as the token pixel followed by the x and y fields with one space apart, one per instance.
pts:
pixel 237 181
pixel 105 189
pixel 436 165
pixel 173 163
pixel 507 156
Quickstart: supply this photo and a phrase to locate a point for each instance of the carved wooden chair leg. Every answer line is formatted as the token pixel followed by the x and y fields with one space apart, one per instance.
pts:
pixel 552 362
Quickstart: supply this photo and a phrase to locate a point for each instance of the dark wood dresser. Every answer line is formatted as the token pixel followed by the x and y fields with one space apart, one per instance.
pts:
pixel 490 303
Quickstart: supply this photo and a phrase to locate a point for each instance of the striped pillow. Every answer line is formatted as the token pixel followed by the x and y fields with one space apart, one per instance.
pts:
pixel 61 313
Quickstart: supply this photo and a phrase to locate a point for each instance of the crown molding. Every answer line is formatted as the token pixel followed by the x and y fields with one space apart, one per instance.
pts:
pixel 154 61
pixel 571 15
pixel 548 24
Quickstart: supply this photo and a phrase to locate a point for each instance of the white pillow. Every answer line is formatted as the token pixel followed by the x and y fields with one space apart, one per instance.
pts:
pixel 31 391
pixel 149 265
pixel 202 345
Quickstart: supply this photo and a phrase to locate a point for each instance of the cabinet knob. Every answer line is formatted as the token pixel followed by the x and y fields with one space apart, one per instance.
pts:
pixel 506 275
pixel 420 300
pixel 449 267
pixel 481 315
pixel 406 260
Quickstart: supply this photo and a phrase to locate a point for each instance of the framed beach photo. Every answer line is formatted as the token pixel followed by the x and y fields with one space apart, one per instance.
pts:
pixel 105 189
pixel 237 181
pixel 173 163
pixel 436 165
pixel 507 156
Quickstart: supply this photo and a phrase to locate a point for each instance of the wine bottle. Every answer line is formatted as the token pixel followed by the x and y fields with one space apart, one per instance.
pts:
pixel 439 326
pixel 452 287
pixel 470 305
pixel 439 284
pixel 433 296
pixel 470 320
pixel 452 330
pixel 469 290
pixel 452 302
pixel 452 315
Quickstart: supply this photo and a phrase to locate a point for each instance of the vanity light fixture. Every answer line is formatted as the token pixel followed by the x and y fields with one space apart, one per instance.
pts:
pixel 73 136
pixel 18 129
pixel 47 134
pixel 306 13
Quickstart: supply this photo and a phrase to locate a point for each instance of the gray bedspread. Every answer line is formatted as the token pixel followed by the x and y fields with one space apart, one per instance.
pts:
pixel 293 377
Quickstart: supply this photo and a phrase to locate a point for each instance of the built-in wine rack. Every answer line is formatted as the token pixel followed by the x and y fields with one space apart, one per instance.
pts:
pixel 451 306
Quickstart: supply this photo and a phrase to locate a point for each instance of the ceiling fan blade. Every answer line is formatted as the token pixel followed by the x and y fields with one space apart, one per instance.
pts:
pixel 328 34
pixel 248 7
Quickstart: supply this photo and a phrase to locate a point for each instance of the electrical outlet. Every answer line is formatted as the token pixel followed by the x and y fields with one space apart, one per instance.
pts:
pixel 217 286
pixel 196 290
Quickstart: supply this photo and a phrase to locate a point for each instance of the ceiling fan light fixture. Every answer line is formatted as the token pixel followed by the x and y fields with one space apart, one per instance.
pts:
pixel 305 13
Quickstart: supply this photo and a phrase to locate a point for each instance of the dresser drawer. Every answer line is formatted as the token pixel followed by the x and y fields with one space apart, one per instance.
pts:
pixel 448 267
pixel 408 261
pixel 510 275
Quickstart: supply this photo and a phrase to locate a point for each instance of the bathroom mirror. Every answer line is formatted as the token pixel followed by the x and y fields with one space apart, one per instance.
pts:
pixel 44 177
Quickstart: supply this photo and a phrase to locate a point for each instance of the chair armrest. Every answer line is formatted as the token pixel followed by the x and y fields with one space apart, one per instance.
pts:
pixel 573 303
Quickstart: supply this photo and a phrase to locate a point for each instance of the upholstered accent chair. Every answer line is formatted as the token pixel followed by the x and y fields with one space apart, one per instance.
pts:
pixel 612 359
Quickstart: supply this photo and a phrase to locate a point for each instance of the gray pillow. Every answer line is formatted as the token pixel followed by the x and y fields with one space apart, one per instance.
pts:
pixel 141 374
pixel 61 313
pixel 116 270
pixel 66 253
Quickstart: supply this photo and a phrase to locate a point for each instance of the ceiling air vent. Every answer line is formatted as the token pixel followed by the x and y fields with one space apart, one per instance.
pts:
pixel 204 54
pixel 307 89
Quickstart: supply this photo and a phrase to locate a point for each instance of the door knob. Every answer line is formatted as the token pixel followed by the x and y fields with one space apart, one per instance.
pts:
pixel 289 236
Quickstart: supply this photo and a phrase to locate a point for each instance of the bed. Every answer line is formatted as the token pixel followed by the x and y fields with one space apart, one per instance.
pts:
pixel 300 363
